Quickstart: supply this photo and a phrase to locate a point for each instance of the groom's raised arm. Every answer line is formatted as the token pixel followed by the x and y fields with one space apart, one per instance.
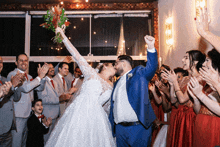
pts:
pixel 152 61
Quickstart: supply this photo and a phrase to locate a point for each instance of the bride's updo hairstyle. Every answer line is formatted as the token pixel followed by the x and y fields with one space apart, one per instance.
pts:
pixel 101 68
pixel 196 55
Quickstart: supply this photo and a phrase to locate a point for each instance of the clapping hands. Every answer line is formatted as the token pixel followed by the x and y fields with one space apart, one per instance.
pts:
pixel 42 71
pixel 194 88
pixel 210 75
pixel 4 89
pixel 46 121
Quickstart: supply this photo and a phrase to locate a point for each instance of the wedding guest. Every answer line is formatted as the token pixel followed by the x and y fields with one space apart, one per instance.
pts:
pixel 38 125
pixel 62 85
pixel 50 99
pixel 7 117
pixel 207 121
pixel 2 79
pixel 184 118
pixel 23 107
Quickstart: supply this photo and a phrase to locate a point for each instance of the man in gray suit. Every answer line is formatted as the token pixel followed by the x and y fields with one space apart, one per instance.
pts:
pixel 23 107
pixel 62 85
pixel 7 117
pixel 50 100
pixel 2 79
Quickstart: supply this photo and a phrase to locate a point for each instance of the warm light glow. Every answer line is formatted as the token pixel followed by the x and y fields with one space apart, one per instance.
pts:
pixel 39 48
pixel 87 1
pixel 200 4
pixel 106 41
pixel 51 47
pixel 123 41
pixel 74 27
pixel 140 55
pixel 115 46
pixel 94 33
pixel 61 3
pixel 77 5
pixel 69 37
pixel 82 18
pixel 169 20
pixel 128 48
pixel 168 31
pixel 61 48
pixel 146 46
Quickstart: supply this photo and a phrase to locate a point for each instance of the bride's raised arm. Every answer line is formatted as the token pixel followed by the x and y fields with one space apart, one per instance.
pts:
pixel 86 69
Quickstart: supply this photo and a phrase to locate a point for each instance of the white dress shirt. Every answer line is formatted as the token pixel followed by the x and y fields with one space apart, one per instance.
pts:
pixel 122 110
pixel 61 78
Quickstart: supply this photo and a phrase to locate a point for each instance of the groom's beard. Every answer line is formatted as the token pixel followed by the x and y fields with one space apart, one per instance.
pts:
pixel 119 72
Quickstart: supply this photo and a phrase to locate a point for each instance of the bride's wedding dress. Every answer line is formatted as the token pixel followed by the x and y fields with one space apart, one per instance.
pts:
pixel 85 123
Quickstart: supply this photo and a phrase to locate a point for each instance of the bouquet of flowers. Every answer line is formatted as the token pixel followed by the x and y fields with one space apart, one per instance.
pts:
pixel 55 18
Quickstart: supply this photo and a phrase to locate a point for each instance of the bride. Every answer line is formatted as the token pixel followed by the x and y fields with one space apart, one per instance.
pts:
pixel 85 123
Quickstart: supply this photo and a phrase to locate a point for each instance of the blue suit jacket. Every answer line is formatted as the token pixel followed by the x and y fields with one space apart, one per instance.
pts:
pixel 137 91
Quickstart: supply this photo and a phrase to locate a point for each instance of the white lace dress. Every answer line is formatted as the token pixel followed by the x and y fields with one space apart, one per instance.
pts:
pixel 85 123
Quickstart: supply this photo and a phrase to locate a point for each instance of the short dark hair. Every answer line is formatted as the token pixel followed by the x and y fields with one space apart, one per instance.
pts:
pixel 62 63
pixel 179 69
pixel 35 101
pixel 19 55
pixel 166 66
pixel 214 55
pixel 127 58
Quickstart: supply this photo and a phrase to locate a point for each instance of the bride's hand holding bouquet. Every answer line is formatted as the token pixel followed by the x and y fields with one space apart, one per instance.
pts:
pixel 55 18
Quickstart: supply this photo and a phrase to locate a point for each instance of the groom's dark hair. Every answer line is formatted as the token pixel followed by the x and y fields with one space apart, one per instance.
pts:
pixel 127 58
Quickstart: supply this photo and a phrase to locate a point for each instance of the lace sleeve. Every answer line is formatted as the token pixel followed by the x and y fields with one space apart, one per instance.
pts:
pixel 86 69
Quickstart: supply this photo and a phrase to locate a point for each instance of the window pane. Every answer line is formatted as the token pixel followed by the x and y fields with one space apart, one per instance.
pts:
pixel 42 45
pixel 135 28
pixel 105 36
pixel 12 36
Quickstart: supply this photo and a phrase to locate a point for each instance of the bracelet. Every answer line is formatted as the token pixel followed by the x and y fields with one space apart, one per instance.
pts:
pixel 177 90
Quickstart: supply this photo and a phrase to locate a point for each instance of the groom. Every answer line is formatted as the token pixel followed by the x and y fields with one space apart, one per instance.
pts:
pixel 131 114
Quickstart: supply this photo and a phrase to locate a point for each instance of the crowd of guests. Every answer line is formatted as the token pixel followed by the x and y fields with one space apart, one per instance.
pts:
pixel 26 120
pixel 186 100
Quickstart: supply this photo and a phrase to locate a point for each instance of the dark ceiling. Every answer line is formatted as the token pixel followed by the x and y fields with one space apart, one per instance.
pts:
pixel 72 1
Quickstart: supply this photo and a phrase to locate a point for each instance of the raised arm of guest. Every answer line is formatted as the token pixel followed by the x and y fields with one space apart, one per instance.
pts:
pixel 203 29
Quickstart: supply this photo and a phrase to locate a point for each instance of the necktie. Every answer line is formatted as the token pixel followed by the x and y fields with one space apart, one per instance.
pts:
pixel 1 82
pixel 41 116
pixel 72 82
pixel 26 76
pixel 52 83
pixel 63 82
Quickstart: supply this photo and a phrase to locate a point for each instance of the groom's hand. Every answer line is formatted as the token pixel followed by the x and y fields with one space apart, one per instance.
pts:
pixel 150 41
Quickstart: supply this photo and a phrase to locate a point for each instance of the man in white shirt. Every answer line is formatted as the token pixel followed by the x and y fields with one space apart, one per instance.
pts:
pixel 131 114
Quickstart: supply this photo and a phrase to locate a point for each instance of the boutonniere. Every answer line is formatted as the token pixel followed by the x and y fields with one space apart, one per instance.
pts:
pixel 31 79
pixel 130 75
